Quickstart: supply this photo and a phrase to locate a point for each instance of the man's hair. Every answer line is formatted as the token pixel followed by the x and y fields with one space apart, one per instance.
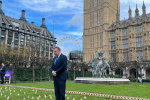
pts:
pixel 57 48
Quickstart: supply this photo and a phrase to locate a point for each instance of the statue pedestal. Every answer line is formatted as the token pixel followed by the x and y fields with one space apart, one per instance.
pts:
pixel 124 76
pixel 106 81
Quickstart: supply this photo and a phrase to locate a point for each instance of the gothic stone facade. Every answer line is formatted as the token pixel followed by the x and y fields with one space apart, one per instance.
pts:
pixel 123 41
pixel 98 15
pixel 18 33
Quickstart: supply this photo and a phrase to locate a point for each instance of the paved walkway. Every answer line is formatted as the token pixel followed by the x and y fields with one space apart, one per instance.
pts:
pixel 83 93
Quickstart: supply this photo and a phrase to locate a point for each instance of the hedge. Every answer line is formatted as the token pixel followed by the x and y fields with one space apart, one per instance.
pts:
pixel 78 74
pixel 26 74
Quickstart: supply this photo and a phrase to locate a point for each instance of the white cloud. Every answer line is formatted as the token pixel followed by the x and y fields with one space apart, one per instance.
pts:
pixel 65 50
pixel 54 6
pixel 75 33
pixel 77 21
pixel 68 45
pixel 70 33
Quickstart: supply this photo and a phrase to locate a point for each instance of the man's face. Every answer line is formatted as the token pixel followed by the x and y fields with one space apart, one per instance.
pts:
pixel 2 64
pixel 56 52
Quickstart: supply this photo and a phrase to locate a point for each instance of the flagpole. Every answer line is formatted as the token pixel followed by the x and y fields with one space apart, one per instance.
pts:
pixel 53 27
pixel 53 36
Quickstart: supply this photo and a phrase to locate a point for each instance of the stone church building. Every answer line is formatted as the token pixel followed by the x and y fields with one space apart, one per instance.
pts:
pixel 126 42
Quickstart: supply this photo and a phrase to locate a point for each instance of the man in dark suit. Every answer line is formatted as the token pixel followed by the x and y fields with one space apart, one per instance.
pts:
pixel 3 69
pixel 59 71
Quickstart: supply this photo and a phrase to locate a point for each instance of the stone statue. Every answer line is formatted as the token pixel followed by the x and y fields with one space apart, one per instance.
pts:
pixel 93 63
pixel 140 78
pixel 104 68
pixel 99 65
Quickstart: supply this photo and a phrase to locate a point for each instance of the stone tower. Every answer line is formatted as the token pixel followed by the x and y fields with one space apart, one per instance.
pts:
pixel 98 16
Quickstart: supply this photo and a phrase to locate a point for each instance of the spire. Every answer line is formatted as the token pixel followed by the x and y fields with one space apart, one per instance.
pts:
pixel 143 5
pixel 144 8
pixel 144 17
pixel 1 12
pixel 118 14
pixel 130 12
pixel 136 11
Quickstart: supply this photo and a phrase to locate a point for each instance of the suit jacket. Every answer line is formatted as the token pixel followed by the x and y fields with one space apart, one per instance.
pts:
pixel 60 67
pixel 3 70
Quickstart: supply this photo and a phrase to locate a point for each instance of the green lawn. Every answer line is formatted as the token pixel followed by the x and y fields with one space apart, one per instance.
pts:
pixel 148 84
pixel 14 93
pixel 132 90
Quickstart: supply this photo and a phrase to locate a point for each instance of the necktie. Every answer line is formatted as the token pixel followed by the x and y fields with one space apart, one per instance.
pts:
pixel 56 60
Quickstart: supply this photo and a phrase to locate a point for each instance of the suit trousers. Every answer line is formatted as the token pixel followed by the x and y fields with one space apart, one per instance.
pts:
pixel 60 86
pixel 2 78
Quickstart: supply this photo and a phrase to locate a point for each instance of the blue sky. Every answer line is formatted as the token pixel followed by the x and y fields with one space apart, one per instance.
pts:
pixel 68 15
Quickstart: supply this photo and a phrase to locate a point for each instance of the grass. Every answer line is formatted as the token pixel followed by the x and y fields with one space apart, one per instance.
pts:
pixel 148 84
pixel 132 90
pixel 28 94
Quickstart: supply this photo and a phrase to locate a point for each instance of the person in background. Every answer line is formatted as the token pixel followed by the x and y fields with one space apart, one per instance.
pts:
pixel 3 69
